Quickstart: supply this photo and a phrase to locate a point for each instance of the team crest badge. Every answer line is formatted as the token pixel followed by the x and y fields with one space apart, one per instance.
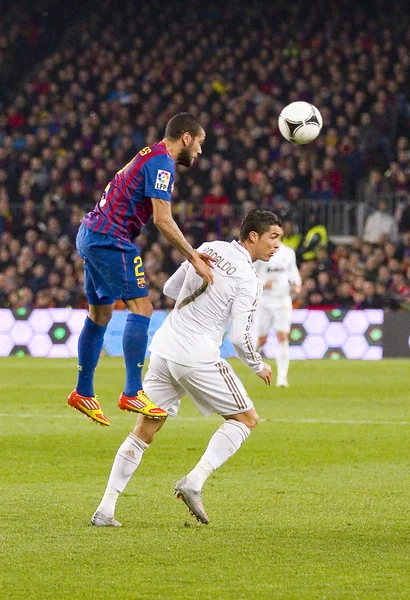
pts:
pixel 141 282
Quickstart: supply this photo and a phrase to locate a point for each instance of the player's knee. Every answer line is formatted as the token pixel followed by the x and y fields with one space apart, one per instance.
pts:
pixel 100 315
pixel 251 419
pixel 140 306
pixel 282 336
pixel 254 420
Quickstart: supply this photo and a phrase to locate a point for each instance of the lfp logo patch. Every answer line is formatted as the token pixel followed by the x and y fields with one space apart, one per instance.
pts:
pixel 162 181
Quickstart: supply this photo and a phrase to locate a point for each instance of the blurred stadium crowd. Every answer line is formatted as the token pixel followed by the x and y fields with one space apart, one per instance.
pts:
pixel 110 85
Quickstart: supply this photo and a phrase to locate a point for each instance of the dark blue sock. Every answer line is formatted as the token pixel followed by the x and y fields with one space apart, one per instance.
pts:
pixel 90 344
pixel 134 343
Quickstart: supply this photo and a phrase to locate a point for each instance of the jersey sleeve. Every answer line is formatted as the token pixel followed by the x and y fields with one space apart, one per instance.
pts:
pixel 243 309
pixel 173 285
pixel 159 177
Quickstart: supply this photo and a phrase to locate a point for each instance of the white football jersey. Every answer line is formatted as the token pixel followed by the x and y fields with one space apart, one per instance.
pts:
pixel 282 270
pixel 193 332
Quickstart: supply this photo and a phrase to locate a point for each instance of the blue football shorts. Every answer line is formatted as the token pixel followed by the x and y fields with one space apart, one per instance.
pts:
pixel 113 268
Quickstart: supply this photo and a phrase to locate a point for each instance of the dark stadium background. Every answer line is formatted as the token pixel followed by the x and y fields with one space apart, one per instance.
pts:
pixel 84 85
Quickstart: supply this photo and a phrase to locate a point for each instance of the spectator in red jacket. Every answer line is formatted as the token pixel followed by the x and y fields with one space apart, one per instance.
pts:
pixel 215 203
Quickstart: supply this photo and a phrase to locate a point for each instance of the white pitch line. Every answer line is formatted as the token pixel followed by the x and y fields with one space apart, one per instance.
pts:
pixel 194 419
pixel 339 422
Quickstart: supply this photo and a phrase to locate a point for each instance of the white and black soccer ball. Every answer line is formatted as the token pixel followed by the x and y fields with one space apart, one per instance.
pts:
pixel 300 122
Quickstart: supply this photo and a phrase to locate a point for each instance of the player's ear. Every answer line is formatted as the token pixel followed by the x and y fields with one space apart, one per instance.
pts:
pixel 253 237
pixel 186 138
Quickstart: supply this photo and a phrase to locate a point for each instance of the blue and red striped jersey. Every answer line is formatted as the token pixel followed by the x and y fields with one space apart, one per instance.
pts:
pixel 125 205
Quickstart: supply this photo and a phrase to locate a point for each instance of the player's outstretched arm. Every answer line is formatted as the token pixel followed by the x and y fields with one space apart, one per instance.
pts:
pixel 164 221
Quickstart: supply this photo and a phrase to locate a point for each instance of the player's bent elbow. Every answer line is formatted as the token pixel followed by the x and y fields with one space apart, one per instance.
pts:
pixel 163 221
pixel 166 227
pixel 158 222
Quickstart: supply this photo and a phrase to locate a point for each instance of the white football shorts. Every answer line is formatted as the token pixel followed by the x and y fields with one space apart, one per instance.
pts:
pixel 273 313
pixel 213 388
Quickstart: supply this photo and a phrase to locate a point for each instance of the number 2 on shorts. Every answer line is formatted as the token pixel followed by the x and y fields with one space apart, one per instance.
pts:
pixel 139 270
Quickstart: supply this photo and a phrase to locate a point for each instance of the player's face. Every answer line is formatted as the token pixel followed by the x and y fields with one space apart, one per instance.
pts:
pixel 191 149
pixel 268 243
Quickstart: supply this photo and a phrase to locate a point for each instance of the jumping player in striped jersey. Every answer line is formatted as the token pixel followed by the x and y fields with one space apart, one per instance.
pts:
pixel 113 267
pixel 185 359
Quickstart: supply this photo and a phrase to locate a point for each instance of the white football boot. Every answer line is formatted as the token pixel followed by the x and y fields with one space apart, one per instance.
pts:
pixel 192 498
pixel 100 520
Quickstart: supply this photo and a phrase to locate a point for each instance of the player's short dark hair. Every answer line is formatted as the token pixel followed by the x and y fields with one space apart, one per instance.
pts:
pixel 259 221
pixel 182 123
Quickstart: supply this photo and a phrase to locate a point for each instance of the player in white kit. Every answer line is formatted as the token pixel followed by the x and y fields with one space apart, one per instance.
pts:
pixel 185 359
pixel 280 278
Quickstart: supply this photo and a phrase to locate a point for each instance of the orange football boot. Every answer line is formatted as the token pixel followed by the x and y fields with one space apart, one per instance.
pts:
pixel 141 404
pixel 89 406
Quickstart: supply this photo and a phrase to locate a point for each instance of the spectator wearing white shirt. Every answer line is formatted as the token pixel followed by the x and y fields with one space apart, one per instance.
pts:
pixel 380 225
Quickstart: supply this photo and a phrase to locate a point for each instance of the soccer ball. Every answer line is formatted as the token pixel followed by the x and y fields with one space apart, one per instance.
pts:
pixel 300 122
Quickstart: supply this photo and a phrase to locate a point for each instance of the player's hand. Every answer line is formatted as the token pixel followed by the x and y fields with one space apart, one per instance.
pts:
pixel 210 260
pixel 268 285
pixel 203 263
pixel 266 374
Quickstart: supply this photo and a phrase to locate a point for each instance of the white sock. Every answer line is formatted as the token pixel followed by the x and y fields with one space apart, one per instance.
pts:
pixel 223 444
pixel 282 359
pixel 126 460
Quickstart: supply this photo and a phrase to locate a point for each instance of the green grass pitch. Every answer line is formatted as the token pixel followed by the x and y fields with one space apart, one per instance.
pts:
pixel 315 505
